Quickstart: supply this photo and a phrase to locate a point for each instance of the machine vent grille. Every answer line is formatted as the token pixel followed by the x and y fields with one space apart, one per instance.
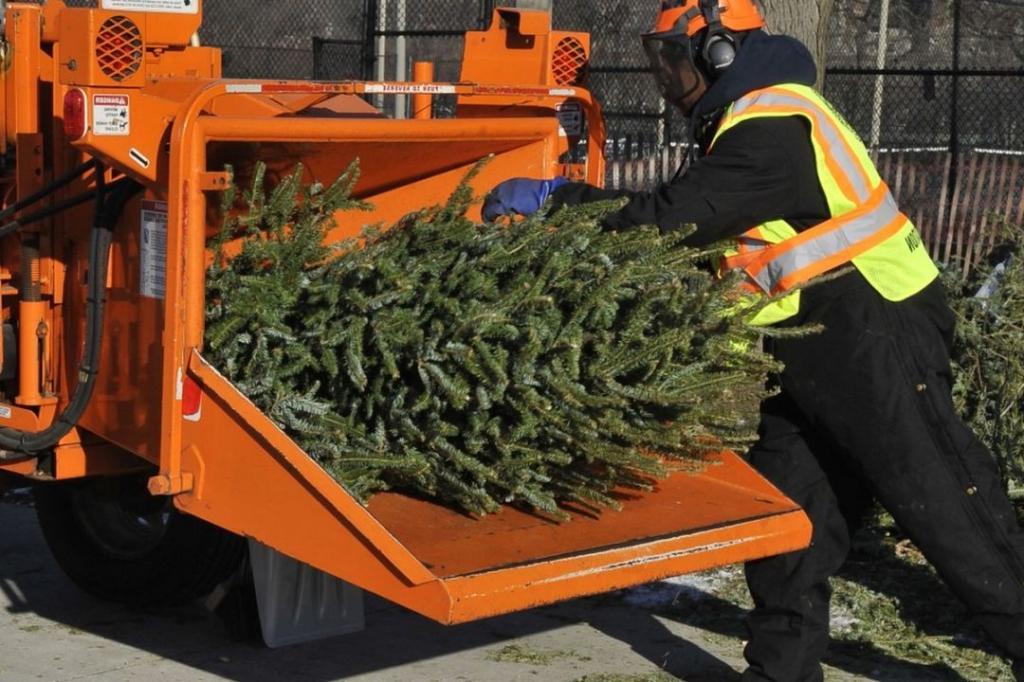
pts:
pixel 569 63
pixel 119 48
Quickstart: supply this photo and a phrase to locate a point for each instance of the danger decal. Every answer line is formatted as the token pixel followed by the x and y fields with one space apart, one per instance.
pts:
pixel 111 115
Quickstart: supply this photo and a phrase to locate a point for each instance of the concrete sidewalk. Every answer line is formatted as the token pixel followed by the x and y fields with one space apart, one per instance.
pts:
pixel 52 631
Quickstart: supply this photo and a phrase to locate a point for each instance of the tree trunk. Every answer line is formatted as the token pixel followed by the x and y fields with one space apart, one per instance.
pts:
pixel 805 20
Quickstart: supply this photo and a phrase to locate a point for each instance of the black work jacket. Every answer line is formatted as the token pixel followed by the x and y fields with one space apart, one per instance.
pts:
pixel 759 170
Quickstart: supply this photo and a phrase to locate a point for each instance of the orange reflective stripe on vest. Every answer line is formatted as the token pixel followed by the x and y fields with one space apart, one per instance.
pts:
pixel 776 268
pixel 751 240
pixel 848 171
pixel 872 216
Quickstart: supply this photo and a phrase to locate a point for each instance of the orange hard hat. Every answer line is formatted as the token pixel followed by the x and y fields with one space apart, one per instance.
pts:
pixel 687 16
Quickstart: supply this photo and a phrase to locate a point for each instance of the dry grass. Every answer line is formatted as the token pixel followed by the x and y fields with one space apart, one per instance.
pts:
pixel 528 655
pixel 892 618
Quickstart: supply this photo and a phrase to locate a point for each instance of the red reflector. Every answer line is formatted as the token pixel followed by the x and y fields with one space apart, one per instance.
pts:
pixel 191 399
pixel 75 113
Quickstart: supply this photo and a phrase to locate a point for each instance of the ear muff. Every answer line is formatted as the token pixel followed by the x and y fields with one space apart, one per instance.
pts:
pixel 719 52
pixel 719 49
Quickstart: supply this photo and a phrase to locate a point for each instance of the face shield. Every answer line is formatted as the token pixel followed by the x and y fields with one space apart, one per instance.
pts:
pixel 671 58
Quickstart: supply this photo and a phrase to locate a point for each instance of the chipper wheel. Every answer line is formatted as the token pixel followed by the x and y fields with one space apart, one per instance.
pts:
pixel 117 542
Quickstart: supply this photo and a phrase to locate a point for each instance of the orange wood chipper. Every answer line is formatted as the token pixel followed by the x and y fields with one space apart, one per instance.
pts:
pixel 149 466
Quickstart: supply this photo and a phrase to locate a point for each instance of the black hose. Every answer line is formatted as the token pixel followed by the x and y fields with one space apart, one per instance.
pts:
pixel 109 206
pixel 50 211
pixel 59 183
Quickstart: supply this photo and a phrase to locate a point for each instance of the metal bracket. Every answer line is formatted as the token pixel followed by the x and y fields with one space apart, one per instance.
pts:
pixel 215 181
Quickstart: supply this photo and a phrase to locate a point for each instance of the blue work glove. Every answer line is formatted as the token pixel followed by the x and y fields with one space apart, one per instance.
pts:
pixel 521 196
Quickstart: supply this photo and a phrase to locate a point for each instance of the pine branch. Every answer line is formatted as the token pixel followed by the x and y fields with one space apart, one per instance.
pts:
pixel 542 363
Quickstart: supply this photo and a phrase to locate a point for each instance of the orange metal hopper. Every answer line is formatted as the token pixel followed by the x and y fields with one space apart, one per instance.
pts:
pixel 226 462
pixel 453 568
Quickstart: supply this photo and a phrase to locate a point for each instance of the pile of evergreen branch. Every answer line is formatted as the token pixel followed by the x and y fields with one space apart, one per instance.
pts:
pixel 536 364
pixel 988 367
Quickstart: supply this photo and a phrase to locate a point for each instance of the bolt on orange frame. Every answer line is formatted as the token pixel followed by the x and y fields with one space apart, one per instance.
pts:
pixel 171 124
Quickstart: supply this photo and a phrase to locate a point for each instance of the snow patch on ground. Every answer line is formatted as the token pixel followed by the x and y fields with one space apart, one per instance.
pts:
pixel 690 588
pixel 16 496
pixel 841 620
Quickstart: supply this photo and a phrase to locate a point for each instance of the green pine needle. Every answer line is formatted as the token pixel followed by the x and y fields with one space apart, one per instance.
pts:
pixel 540 364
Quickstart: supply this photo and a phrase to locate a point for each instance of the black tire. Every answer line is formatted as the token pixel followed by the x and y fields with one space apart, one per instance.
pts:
pixel 119 543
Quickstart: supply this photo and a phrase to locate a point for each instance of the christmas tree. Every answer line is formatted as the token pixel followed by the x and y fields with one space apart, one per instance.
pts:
pixel 542 363
pixel 988 369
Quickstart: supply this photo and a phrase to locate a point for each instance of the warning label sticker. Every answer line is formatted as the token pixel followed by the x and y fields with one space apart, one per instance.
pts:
pixel 411 88
pixel 153 249
pixel 111 115
pixel 165 6
pixel 570 119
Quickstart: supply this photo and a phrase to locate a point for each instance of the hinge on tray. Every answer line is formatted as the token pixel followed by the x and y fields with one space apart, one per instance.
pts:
pixel 168 485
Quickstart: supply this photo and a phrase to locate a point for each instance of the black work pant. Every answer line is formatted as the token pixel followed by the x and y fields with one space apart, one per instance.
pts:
pixel 866 405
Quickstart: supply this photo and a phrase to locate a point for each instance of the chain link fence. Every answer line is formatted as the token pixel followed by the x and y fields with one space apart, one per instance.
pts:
pixel 905 73
pixel 637 119
pixel 929 73
pixel 277 39
pixel 934 87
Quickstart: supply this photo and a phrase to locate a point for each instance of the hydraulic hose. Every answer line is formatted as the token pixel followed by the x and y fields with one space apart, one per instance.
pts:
pixel 51 187
pixel 109 205
pixel 50 211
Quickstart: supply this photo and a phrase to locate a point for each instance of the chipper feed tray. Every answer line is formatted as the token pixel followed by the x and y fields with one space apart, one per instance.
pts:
pixel 453 568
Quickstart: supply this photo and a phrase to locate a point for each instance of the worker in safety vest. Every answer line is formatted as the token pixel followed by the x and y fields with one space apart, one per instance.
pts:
pixel 864 408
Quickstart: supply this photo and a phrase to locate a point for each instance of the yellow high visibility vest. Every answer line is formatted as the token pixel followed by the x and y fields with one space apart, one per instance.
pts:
pixel 865 226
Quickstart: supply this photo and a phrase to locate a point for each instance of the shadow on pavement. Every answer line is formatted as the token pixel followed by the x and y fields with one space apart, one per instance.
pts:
pixel 921 598
pixel 727 621
pixel 30 582
pixel 32 585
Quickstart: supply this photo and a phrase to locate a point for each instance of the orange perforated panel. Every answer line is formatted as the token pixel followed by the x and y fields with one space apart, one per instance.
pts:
pixel 119 48
pixel 569 62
